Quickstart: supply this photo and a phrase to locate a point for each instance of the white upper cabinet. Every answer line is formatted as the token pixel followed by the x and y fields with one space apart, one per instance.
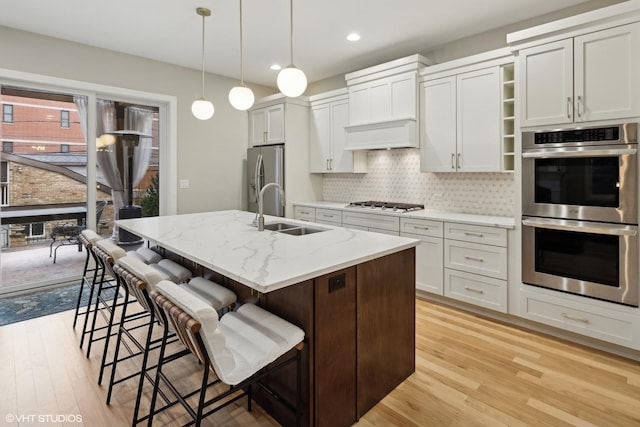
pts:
pixel 266 125
pixel 546 84
pixel 607 74
pixel 460 122
pixel 586 78
pixel 438 126
pixel 327 154
pixel 382 100
pixel 478 121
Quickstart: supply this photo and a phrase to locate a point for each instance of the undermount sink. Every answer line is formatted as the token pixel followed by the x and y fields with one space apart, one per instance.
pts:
pixel 292 229
pixel 301 231
pixel 279 226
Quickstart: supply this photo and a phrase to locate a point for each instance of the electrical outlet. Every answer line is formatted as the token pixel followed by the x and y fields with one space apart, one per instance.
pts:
pixel 184 183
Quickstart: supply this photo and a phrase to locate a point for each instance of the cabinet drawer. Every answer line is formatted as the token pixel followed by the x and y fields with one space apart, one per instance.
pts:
pixel 582 319
pixel 476 234
pixel 478 290
pixel 383 222
pixel 329 216
pixel 423 227
pixel 475 258
pixel 304 213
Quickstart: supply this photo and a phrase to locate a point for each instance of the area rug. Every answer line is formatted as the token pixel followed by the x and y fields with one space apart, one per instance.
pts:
pixel 40 303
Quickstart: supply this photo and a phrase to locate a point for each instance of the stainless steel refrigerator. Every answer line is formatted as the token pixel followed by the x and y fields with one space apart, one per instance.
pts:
pixel 265 164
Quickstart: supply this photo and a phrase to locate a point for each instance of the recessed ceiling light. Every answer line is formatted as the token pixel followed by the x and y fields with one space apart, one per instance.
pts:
pixel 276 67
pixel 353 37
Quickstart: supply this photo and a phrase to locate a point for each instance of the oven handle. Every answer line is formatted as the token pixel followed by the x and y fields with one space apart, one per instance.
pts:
pixel 581 226
pixel 546 154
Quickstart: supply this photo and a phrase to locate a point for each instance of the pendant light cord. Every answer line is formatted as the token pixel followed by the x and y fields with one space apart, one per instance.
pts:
pixel 291 28
pixel 203 16
pixel 241 54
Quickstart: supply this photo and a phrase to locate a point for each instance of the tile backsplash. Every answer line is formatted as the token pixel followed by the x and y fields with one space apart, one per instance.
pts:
pixel 395 176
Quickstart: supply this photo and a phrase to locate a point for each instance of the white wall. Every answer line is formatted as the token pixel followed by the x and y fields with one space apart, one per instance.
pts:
pixel 211 154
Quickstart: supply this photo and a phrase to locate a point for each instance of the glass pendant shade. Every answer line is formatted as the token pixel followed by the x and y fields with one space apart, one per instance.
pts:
pixel 292 81
pixel 202 109
pixel 241 98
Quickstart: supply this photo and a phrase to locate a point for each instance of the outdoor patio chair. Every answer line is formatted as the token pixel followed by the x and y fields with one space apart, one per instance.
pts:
pixel 68 234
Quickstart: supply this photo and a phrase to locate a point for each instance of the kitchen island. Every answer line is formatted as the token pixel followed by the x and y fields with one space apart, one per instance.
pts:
pixel 353 293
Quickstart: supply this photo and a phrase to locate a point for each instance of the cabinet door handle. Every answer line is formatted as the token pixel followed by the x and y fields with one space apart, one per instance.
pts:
pixel 468 233
pixel 577 319
pixel 473 258
pixel 305 212
pixel 453 166
pixel 264 136
pixel 579 105
pixel 327 167
pixel 569 106
pixel 330 164
pixel 477 291
pixel 420 227
pixel 458 162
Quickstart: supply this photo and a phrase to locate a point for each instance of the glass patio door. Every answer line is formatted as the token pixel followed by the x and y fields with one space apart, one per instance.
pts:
pixel 54 183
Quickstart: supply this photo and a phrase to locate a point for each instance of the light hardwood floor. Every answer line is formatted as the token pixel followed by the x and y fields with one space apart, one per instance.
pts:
pixel 469 372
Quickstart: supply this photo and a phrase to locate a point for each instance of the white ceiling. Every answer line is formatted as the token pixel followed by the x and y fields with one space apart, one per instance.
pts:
pixel 170 30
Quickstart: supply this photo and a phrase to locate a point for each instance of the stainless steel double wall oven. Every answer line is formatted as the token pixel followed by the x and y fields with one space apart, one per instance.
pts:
pixel 580 211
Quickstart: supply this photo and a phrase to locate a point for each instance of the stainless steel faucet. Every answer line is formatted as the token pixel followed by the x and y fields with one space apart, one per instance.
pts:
pixel 260 207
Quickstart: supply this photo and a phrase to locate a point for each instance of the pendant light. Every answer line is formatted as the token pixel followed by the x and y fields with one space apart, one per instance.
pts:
pixel 201 108
pixel 291 80
pixel 241 97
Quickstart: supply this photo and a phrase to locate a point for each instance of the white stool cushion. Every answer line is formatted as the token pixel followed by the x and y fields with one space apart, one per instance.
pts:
pixel 115 251
pixel 176 272
pixel 91 236
pixel 254 338
pixel 215 294
pixel 149 255
pixel 141 270
pixel 241 342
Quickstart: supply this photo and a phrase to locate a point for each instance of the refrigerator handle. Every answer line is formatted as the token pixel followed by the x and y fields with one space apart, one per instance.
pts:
pixel 258 177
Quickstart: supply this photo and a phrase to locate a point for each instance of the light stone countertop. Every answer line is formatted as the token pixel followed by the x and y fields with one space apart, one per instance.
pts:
pixel 492 221
pixel 228 243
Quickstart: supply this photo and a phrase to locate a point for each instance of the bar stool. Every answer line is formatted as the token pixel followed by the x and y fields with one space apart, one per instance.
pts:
pixel 237 347
pixel 108 296
pixel 87 238
pixel 139 279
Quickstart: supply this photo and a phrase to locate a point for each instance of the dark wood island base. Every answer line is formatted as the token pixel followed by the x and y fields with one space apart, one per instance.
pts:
pixel 360 337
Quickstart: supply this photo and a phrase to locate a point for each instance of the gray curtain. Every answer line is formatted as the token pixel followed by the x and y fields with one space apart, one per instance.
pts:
pixel 140 120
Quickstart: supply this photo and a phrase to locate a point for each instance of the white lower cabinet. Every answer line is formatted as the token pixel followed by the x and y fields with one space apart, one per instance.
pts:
pixel 328 216
pixel 476 258
pixel 379 223
pixel 475 289
pixel 304 213
pixel 429 260
pixel 615 326
pixel 475 265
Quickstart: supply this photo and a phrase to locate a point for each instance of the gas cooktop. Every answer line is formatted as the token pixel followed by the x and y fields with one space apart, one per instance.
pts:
pixel 391 206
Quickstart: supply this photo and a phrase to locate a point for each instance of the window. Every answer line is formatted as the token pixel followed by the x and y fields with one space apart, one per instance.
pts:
pixel 7 146
pixel 4 184
pixel 64 118
pixel 7 113
pixel 64 148
pixel 35 230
